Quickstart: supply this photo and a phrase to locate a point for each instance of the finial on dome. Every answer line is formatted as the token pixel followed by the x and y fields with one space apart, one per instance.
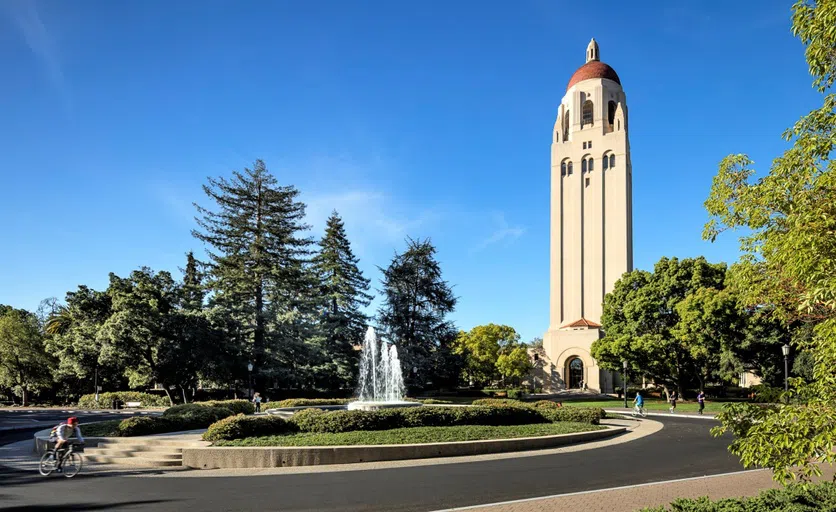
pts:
pixel 592 51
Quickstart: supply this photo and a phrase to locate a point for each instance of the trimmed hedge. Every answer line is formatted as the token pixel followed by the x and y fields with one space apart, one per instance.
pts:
pixel 549 410
pixel 333 422
pixel 795 498
pixel 500 402
pixel 240 427
pixel 237 406
pixel 174 419
pixel 304 402
pixel 592 415
pixel 106 399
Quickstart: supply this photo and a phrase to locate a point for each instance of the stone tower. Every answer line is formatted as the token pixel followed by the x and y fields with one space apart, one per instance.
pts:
pixel 591 219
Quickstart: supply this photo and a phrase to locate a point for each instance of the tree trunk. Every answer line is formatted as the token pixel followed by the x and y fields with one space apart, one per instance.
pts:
pixel 25 396
pixel 185 400
pixel 168 394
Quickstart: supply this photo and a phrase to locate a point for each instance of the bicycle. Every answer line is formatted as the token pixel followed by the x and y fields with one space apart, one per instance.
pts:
pixel 639 411
pixel 71 462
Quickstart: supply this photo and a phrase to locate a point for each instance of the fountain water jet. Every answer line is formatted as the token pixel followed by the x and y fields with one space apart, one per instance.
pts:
pixel 381 379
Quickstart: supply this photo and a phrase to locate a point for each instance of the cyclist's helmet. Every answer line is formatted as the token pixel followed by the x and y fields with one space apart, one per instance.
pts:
pixel 73 421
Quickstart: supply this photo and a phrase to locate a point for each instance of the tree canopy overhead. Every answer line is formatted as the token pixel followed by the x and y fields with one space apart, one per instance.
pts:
pixel 788 266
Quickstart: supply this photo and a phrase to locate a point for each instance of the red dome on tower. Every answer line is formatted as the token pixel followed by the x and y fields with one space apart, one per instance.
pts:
pixel 593 69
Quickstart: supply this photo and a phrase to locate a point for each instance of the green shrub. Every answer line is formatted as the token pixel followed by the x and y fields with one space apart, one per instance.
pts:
pixel 317 421
pixel 435 401
pixel 106 399
pixel 547 409
pixel 795 498
pixel 546 404
pixel 192 416
pixel 516 393
pixel 500 402
pixel 236 406
pixel 241 426
pixel 347 421
pixel 145 426
pixel 592 415
pixel 304 402
pixel 174 419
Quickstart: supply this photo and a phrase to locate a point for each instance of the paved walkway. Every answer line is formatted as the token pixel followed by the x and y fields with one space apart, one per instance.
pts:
pixel 632 498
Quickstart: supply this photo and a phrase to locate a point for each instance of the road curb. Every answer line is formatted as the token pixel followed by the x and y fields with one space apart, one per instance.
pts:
pixel 627 412
pixel 234 457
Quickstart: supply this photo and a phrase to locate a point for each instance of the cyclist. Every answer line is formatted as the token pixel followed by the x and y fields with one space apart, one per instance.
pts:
pixel 60 434
pixel 639 401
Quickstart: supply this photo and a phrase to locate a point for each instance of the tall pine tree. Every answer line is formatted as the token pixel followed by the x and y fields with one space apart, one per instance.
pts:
pixel 416 303
pixel 257 258
pixel 192 289
pixel 344 292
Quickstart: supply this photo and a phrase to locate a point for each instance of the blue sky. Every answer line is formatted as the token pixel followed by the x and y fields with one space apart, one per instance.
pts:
pixel 428 119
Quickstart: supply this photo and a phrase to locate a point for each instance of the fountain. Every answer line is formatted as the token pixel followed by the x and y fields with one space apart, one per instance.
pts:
pixel 381 379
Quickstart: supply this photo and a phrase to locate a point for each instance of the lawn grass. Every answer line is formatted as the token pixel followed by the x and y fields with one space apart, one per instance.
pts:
pixel 415 435
pixel 100 428
pixel 650 405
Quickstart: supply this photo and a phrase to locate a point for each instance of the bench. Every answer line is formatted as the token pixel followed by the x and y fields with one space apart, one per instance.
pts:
pixel 133 404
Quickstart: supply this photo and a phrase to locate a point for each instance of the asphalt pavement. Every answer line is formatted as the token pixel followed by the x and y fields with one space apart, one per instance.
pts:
pixel 683 448
pixel 20 424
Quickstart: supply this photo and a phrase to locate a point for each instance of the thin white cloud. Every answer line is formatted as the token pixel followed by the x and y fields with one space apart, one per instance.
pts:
pixel 503 233
pixel 175 201
pixel 371 217
pixel 28 20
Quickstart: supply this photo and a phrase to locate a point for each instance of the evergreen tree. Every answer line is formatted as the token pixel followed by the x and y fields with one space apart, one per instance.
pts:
pixel 413 315
pixel 344 292
pixel 192 289
pixel 257 257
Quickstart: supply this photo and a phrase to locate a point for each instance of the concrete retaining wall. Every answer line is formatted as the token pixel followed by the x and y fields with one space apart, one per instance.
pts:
pixel 271 457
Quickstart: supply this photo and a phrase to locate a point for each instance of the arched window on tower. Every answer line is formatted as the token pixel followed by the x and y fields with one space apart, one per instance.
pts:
pixel 587 113
pixel 611 112
pixel 583 165
pixel 566 126
pixel 612 161
pixel 569 168
pixel 606 162
pixel 563 168
pixel 591 165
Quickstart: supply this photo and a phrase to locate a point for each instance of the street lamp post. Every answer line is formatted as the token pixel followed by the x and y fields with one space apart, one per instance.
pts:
pixel 624 383
pixel 250 370
pixel 786 351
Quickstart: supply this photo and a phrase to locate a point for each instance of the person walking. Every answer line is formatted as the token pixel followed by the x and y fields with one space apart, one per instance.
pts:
pixel 257 402
pixel 674 398
pixel 701 400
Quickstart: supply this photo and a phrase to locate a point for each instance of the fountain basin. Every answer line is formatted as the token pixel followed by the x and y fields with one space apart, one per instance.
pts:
pixel 374 406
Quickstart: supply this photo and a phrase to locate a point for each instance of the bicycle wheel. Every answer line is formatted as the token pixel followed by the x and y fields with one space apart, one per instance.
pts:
pixel 47 464
pixel 72 465
pixel 644 412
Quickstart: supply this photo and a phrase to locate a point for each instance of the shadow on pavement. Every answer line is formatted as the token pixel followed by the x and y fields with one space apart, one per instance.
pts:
pixel 85 506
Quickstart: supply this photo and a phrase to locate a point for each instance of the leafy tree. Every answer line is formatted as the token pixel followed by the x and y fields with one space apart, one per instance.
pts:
pixel 72 336
pixel 640 319
pixel 344 291
pixel 788 266
pixel 481 348
pixel 150 336
pixel 711 325
pixel 24 364
pixel 514 365
pixel 414 313
pixel 256 270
